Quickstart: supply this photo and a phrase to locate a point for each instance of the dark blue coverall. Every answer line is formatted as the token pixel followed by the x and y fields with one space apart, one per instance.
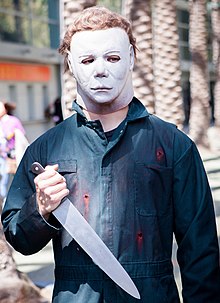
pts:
pixel 136 191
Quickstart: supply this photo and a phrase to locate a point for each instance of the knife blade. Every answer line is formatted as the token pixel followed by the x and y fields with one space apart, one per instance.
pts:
pixel 76 225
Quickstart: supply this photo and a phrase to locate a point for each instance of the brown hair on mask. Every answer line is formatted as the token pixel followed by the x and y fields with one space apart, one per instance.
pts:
pixel 92 19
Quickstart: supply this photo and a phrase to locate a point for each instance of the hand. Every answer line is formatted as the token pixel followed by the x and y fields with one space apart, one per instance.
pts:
pixel 51 189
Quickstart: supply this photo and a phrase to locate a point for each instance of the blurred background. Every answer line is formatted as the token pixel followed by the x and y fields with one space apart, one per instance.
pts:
pixel 176 73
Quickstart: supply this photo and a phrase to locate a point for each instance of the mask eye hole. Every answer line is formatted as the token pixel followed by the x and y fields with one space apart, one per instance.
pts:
pixel 113 59
pixel 87 61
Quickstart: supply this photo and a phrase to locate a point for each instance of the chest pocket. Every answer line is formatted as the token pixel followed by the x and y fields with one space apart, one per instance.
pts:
pixel 67 166
pixel 153 189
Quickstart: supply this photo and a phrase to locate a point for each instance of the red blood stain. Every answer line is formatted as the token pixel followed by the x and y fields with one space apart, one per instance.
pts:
pixel 159 154
pixel 86 203
pixel 140 241
pixel 140 235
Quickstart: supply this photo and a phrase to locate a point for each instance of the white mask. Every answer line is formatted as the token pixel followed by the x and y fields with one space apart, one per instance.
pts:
pixel 102 63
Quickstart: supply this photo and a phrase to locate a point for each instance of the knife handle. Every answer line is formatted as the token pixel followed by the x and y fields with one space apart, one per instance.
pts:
pixel 37 168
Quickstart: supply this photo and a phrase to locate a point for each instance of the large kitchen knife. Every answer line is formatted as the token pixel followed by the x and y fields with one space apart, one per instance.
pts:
pixel 72 220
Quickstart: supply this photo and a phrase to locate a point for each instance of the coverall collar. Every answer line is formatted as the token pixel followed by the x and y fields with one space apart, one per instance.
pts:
pixel 136 110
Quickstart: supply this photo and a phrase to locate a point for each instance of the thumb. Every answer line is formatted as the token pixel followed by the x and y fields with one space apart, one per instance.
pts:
pixel 54 167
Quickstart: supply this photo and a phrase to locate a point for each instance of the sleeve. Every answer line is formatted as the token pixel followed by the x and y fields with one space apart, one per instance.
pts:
pixel 25 229
pixel 195 230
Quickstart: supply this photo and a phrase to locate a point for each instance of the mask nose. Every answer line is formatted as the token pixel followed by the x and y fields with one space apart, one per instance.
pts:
pixel 100 69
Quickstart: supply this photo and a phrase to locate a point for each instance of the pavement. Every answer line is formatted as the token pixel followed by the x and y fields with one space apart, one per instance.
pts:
pixel 39 267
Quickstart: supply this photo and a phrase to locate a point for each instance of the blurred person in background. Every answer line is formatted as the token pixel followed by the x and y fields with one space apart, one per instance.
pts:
pixel 9 124
pixel 54 111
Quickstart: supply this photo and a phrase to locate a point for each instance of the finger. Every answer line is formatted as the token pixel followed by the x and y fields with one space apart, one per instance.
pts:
pixel 52 194
pixel 48 171
pixel 52 182
pixel 53 190
pixel 56 198
pixel 45 175
pixel 49 179
pixel 54 167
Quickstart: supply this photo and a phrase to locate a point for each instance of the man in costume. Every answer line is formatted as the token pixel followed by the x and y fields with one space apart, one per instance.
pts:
pixel 136 179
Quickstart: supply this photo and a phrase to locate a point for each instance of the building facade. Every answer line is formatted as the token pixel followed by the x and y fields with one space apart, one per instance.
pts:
pixel 29 61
